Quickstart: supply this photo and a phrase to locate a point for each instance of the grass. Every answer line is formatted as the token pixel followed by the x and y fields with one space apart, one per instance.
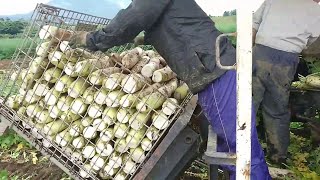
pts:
pixel 4 175
pixel 7 86
pixel 9 45
pixel 226 24
pixel 11 139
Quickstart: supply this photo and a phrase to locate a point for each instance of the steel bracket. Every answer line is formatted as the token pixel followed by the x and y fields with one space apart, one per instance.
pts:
pixel 211 156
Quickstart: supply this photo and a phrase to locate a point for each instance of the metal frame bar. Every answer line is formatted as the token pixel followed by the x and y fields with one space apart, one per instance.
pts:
pixel 177 157
pixel 244 92
pixel 243 68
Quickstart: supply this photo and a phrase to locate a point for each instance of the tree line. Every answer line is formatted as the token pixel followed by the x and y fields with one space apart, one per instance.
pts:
pixel 230 13
pixel 10 27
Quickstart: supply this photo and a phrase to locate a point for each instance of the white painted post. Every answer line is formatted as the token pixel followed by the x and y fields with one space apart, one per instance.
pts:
pixel 244 90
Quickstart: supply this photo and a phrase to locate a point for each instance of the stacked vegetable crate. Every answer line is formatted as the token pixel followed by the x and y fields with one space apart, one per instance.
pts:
pixel 105 112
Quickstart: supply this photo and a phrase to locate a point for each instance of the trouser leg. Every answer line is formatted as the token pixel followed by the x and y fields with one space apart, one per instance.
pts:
pixel 275 70
pixel 258 91
pixel 276 117
pixel 218 102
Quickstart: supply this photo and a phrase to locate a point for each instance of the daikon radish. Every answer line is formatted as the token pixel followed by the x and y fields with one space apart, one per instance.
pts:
pixel 163 75
pixel 151 67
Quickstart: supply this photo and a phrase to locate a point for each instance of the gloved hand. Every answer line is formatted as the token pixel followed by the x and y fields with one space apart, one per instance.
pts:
pixel 139 40
pixel 78 39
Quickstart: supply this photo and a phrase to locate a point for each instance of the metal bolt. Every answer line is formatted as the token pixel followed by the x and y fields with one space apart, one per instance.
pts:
pixel 188 140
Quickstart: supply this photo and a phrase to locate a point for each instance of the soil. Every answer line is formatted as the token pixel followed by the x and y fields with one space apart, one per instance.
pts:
pixel 22 166
pixel 5 64
pixel 41 171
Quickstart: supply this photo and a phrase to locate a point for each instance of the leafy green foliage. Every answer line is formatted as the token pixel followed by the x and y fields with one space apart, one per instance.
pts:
pixel 304 161
pixel 314 159
pixel 315 66
pixel 11 139
pixel 119 49
pixel 230 13
pixel 9 31
pixel 7 86
pixel 11 27
pixel 4 175
pixel 296 125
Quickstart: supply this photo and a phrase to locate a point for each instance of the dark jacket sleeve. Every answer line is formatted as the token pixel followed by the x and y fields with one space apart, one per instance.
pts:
pixel 127 24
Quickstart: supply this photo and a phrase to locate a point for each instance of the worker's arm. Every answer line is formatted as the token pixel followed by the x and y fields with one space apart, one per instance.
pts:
pixel 128 23
pixel 257 19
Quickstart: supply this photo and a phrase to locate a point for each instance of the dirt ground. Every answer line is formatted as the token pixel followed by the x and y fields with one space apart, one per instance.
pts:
pixel 28 164
pixel 18 169
pixel 32 171
pixel 5 64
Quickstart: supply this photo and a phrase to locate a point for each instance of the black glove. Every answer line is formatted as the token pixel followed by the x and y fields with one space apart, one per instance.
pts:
pixel 78 39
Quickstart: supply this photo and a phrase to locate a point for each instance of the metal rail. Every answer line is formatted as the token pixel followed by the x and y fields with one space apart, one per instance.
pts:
pixel 244 92
pixel 242 158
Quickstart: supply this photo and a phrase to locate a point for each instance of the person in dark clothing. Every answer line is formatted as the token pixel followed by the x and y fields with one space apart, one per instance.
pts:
pixel 185 36
pixel 280 36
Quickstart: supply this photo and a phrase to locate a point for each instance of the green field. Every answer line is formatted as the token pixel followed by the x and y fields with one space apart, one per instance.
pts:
pixel 226 24
pixel 8 46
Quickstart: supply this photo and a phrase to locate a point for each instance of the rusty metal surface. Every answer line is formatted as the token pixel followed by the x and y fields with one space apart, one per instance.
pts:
pixel 177 157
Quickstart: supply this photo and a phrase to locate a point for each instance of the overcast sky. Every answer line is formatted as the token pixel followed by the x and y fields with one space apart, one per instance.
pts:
pixel 212 7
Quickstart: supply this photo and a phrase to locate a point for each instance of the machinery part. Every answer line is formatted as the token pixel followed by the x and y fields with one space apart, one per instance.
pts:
pixel 218 52
pixel 211 156
pixel 180 153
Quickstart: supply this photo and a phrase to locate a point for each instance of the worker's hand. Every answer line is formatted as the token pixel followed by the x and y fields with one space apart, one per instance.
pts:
pixel 78 39
pixel 139 40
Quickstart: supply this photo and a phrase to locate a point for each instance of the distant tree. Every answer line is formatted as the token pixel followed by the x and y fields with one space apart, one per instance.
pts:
pixel 226 13
pixel 233 12
pixel 12 27
pixel 1 19
pixel 7 19
pixel 230 13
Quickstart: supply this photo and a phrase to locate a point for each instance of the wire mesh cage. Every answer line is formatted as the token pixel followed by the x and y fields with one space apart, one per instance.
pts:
pixel 100 115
